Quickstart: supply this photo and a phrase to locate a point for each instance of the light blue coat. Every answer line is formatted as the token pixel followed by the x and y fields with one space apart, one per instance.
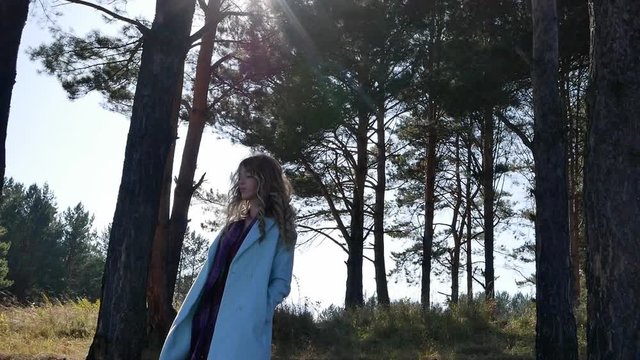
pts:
pixel 259 278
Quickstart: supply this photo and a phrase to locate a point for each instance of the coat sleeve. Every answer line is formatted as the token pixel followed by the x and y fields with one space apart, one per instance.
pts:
pixel 280 277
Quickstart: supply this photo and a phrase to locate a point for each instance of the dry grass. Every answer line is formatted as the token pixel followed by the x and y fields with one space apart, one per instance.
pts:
pixel 51 330
pixel 55 330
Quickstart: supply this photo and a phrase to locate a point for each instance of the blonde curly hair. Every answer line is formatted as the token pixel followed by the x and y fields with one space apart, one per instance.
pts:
pixel 273 194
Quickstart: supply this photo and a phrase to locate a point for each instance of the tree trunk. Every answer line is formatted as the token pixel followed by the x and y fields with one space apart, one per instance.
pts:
pixel 575 161
pixel 160 311
pixel 612 185
pixel 354 293
pixel 171 235
pixel 121 328
pixel 455 268
pixel 469 201
pixel 555 326
pixel 429 199
pixel 456 232
pixel 574 157
pixel 574 229
pixel 14 15
pixel 488 201
pixel 197 118
pixel 378 221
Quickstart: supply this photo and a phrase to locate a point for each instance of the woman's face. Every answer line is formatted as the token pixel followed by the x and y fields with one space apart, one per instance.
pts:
pixel 248 185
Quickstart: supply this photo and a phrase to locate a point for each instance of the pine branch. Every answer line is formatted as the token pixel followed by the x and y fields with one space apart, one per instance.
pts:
pixel 143 29
pixel 320 232
pixel 203 5
pixel 215 65
pixel 198 184
pixel 206 27
pixel 334 211
pixel 513 127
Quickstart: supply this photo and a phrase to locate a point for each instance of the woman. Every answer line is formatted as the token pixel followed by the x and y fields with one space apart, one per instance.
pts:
pixel 228 312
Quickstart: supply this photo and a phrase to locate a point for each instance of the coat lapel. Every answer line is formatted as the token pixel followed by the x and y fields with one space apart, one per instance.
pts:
pixel 254 235
pixel 194 293
pixel 198 284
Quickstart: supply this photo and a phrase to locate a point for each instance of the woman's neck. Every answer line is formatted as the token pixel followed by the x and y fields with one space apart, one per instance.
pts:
pixel 253 208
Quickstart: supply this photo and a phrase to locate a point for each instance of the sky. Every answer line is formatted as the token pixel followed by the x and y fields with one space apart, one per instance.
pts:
pixel 77 147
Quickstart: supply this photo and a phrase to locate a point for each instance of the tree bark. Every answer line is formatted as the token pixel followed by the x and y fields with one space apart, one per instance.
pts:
pixel 160 310
pixel 378 222
pixel 612 185
pixel 429 199
pixel 354 293
pixel 185 186
pixel 122 318
pixel 488 201
pixel 469 200
pixel 555 326
pixel 354 296
pixel 457 233
pixel 170 235
pixel 14 15
pixel 576 206
pixel 575 159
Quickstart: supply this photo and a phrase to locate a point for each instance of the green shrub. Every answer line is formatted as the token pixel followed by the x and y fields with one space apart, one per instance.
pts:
pixel 468 330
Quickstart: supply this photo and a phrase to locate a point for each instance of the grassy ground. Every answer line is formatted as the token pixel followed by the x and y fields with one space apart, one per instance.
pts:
pixel 404 331
pixel 474 330
pixel 51 330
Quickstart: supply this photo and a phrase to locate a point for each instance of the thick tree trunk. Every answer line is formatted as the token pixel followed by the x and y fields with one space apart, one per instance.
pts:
pixel 488 201
pixel 354 293
pixel 574 163
pixel 574 233
pixel 378 221
pixel 555 326
pixel 429 199
pixel 170 235
pixel 197 118
pixel 612 185
pixel 574 179
pixel 160 310
pixel 14 15
pixel 121 328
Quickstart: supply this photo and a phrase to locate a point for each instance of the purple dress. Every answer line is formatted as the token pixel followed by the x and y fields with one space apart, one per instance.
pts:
pixel 204 319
